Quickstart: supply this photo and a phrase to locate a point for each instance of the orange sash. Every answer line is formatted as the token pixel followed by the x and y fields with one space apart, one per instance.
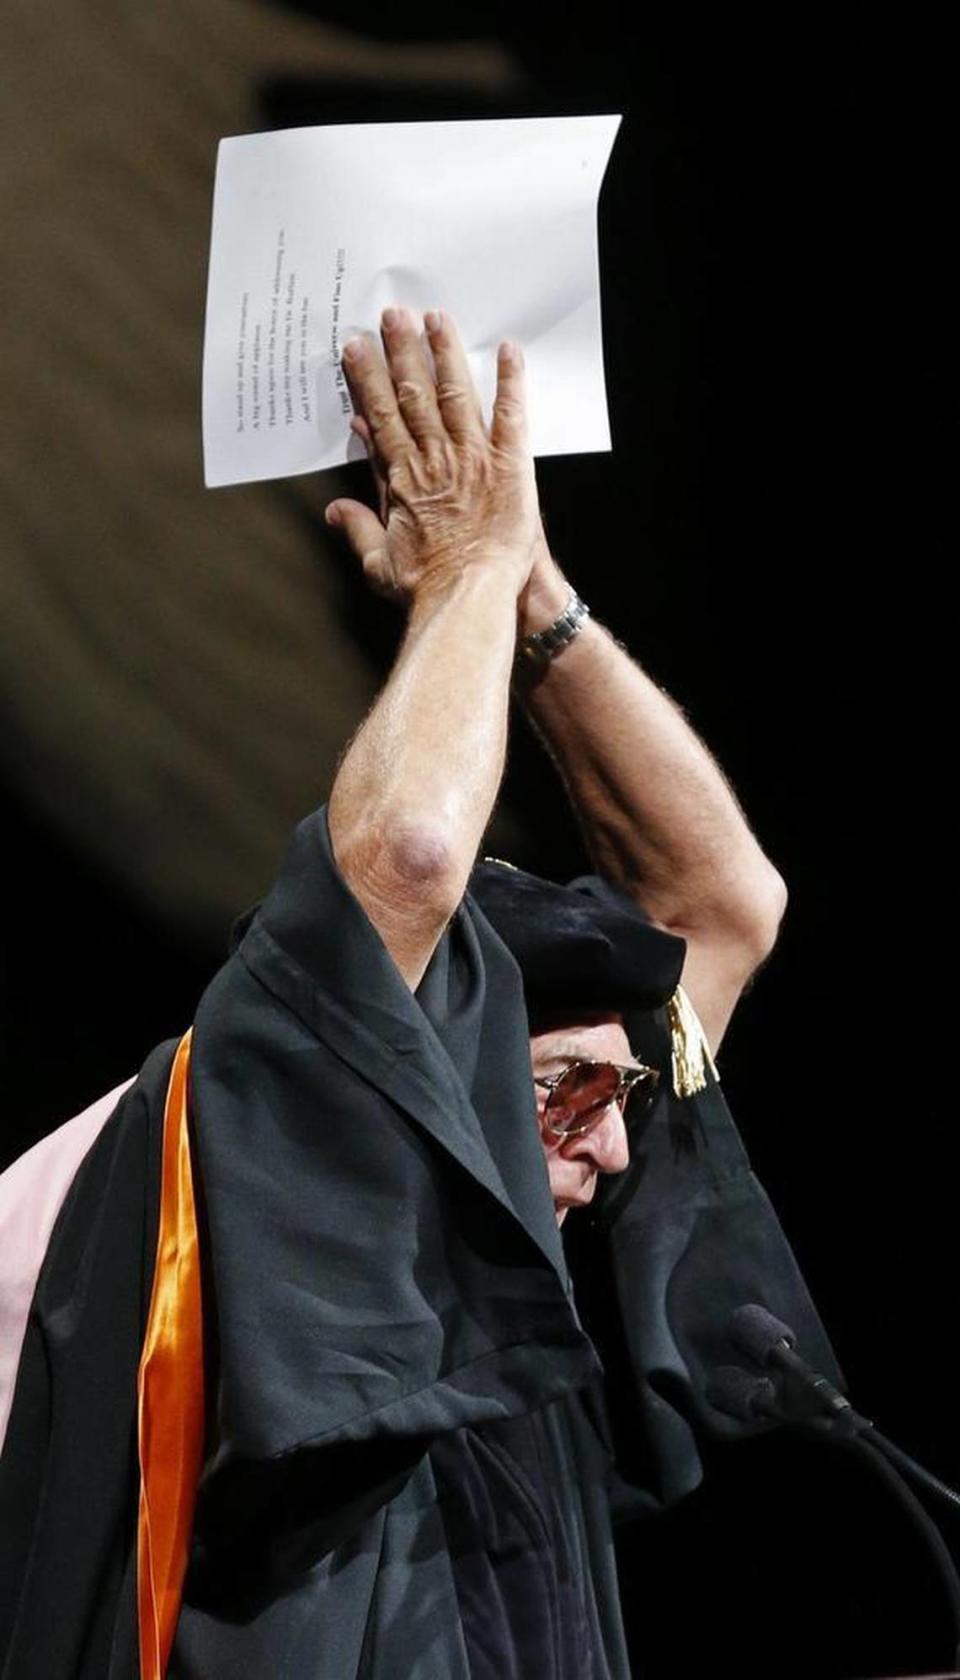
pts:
pixel 170 1392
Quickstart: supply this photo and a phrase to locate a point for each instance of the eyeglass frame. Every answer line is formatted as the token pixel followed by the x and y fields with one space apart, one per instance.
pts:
pixel 629 1077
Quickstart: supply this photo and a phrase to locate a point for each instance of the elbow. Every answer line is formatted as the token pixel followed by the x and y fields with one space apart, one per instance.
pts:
pixel 750 919
pixel 735 940
pixel 406 866
pixel 422 862
pixel 763 913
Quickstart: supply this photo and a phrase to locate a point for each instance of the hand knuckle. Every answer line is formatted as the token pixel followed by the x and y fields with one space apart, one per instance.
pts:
pixel 410 395
pixel 379 415
pixel 436 460
pixel 450 391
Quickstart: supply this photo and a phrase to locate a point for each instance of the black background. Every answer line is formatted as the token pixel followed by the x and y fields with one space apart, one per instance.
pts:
pixel 770 538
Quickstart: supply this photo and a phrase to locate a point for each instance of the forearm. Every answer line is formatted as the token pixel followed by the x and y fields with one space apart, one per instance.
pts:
pixel 455 538
pixel 658 815
pixel 415 789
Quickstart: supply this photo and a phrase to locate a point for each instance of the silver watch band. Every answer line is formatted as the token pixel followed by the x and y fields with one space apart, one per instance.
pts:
pixel 544 645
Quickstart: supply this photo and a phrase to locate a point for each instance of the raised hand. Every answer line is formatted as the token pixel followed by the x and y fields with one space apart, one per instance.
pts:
pixel 453 494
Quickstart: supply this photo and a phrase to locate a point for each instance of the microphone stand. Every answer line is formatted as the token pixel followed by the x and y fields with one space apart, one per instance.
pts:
pixel 872 1453
pixel 806 1401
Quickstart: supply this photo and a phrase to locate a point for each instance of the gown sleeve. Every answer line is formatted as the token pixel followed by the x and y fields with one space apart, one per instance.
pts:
pixel 682 1239
pixel 377 1279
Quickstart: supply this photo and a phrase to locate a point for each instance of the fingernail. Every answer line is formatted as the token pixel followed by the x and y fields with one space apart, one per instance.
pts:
pixel 333 515
pixel 392 318
pixel 353 349
pixel 433 320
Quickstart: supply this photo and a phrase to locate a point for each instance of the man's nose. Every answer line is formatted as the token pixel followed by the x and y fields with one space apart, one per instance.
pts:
pixel 607 1142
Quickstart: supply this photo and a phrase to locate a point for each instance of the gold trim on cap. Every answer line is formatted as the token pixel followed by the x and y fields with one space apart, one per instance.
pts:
pixel 691 1052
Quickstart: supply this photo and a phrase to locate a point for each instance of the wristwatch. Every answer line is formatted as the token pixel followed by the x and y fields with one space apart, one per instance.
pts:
pixel 544 645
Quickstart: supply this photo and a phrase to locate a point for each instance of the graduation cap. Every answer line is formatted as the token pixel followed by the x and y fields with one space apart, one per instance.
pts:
pixel 589 947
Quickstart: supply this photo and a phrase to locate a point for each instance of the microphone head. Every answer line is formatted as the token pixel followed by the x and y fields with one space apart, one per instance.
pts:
pixel 740 1393
pixel 756 1332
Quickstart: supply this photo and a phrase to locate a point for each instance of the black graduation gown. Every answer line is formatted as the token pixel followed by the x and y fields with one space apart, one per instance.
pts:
pixel 382 1271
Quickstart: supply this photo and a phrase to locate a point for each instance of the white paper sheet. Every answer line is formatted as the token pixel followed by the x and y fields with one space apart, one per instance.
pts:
pixel 317 230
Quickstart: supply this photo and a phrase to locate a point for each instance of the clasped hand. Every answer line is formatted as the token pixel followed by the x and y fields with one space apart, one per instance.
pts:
pixel 453 493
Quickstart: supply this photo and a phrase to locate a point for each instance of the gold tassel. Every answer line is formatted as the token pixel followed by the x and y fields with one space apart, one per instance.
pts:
pixel 691 1052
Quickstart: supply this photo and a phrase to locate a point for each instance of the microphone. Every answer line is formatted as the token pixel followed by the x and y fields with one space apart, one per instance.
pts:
pixel 807 1396
pixel 807 1400
pixel 767 1341
pixel 742 1395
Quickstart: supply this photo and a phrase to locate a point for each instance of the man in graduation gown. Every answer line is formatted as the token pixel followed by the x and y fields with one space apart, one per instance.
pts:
pixel 308 1385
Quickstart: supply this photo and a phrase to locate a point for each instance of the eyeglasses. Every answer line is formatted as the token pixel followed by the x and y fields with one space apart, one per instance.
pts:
pixel 578 1097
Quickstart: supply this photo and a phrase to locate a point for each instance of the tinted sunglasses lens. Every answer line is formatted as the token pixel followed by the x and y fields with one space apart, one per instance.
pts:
pixel 641 1094
pixel 581 1092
